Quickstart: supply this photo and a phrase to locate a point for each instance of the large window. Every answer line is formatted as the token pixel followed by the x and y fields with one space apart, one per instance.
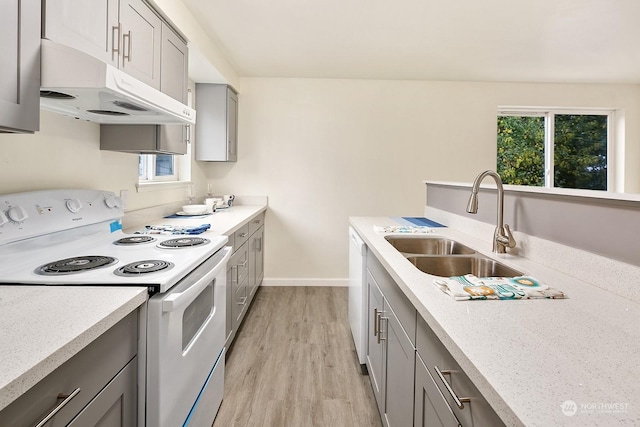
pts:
pixel 157 167
pixel 555 148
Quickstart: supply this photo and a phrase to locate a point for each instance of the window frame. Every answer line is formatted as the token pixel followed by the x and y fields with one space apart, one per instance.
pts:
pixel 149 170
pixel 549 137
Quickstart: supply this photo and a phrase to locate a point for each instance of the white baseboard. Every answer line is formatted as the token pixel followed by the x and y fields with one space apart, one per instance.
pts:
pixel 305 282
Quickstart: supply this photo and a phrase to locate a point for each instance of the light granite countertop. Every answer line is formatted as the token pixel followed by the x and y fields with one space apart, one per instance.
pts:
pixel 44 326
pixel 529 357
pixel 223 221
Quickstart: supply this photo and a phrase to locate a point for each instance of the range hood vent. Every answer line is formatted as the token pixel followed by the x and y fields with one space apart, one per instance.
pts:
pixel 78 85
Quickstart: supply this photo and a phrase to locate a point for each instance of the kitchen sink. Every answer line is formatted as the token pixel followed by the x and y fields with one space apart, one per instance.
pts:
pixel 428 246
pixel 447 266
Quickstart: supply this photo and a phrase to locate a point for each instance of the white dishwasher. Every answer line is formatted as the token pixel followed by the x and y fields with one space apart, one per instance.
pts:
pixel 357 295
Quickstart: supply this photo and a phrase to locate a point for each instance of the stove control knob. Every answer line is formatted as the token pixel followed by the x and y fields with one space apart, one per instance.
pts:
pixel 17 214
pixel 3 219
pixel 74 205
pixel 112 202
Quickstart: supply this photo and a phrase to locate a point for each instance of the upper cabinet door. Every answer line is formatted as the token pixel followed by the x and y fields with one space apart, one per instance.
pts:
pixel 20 70
pixel 141 39
pixel 90 26
pixel 232 126
pixel 175 63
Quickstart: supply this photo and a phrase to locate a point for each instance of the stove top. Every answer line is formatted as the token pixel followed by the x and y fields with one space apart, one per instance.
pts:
pixel 93 252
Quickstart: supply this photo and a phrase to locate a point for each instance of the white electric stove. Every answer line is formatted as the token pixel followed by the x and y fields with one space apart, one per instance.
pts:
pixel 75 238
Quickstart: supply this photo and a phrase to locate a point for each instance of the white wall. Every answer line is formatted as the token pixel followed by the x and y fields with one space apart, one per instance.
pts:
pixel 66 154
pixel 324 150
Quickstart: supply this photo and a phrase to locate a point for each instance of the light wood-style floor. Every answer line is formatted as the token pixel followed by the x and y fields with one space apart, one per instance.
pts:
pixel 293 364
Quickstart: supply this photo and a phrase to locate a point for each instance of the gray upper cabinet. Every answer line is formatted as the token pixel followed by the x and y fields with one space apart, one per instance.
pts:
pixel 174 65
pixel 217 123
pixel 126 34
pixel 20 71
pixel 141 42
pixel 91 26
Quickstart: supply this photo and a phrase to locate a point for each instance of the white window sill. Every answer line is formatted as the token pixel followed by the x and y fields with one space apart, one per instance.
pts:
pixel 145 187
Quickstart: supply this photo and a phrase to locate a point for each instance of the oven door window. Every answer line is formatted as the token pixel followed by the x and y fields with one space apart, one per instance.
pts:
pixel 196 315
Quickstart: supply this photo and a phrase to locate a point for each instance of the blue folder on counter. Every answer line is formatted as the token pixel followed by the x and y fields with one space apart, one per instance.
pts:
pixel 419 221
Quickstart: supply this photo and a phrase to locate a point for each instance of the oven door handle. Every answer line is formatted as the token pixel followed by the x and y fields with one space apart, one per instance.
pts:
pixel 175 301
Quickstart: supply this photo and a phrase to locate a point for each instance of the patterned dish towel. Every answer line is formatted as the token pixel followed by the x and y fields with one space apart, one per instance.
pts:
pixel 174 229
pixel 472 287
pixel 409 229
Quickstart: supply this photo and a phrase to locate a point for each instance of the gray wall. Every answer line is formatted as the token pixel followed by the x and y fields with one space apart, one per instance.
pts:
pixel 610 228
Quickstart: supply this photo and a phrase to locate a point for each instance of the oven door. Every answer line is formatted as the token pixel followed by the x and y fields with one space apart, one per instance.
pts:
pixel 185 342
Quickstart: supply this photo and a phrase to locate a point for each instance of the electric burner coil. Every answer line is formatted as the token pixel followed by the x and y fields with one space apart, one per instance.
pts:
pixel 74 265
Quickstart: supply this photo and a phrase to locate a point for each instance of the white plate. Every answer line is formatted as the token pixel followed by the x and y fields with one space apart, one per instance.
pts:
pixel 181 213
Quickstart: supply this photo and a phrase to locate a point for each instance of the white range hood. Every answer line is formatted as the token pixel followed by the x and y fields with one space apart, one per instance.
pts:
pixel 79 85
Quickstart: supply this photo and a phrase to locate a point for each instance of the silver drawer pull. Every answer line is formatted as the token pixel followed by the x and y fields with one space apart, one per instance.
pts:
pixel 67 398
pixel 243 264
pixel 460 401
pixel 243 235
pixel 242 301
pixel 256 221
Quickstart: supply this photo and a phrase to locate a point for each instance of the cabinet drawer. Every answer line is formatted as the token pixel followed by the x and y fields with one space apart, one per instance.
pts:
pixel 430 405
pixel 446 371
pixel 240 236
pixel 89 370
pixel 256 223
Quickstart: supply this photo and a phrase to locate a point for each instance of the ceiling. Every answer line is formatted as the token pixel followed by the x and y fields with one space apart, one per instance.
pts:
pixel 586 41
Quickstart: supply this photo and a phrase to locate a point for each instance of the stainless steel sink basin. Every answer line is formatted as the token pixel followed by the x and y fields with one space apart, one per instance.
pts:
pixel 447 266
pixel 428 246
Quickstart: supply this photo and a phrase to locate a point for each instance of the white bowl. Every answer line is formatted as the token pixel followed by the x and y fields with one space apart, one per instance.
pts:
pixel 194 209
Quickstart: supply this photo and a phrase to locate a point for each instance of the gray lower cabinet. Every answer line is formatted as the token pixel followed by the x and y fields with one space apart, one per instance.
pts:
pixel 375 343
pixel 96 387
pixel 244 272
pixel 415 380
pixel 390 360
pixel 256 253
pixel 462 397
pixel 20 70
pixel 430 407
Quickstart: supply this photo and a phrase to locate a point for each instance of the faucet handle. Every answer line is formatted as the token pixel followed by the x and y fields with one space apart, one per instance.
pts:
pixel 508 240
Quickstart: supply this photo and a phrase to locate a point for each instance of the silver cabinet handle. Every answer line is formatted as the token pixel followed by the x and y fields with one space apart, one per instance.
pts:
pixel 67 398
pixel 115 49
pixel 460 401
pixel 243 235
pixel 242 301
pixel 375 322
pixel 236 279
pixel 243 264
pixel 256 221
pixel 126 55
pixel 380 319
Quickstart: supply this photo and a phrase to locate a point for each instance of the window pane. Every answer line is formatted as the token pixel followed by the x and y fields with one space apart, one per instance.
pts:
pixel 521 150
pixel 580 151
pixel 164 165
